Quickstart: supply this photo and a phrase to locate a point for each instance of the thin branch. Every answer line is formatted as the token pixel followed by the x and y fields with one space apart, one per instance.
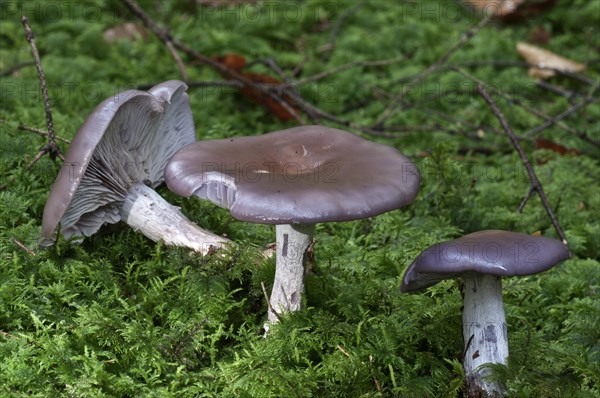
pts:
pixel 15 68
pixel 41 132
pixel 344 67
pixel 574 108
pixel 568 94
pixel 178 60
pixel 535 185
pixel 224 70
pixel 50 148
pixel 550 120
pixel 22 246
pixel 197 84
pixel 468 35
pixel 343 351
pixel 330 46
pixel 264 290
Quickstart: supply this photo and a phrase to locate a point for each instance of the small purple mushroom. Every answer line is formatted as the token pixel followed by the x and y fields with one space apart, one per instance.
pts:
pixel 295 178
pixel 114 163
pixel 481 259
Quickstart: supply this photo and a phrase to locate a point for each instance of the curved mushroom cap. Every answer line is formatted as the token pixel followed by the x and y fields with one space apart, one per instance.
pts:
pixel 127 139
pixel 492 252
pixel 299 175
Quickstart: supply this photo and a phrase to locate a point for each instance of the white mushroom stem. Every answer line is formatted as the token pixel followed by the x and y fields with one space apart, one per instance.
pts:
pixel 484 333
pixel 145 210
pixel 288 288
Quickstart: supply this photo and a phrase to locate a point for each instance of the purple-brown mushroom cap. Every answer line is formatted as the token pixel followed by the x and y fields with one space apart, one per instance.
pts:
pixel 127 139
pixel 492 252
pixel 299 175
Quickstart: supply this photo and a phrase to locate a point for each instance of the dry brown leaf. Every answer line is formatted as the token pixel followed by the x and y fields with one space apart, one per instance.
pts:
pixel 539 35
pixel 238 62
pixel 540 58
pixel 499 8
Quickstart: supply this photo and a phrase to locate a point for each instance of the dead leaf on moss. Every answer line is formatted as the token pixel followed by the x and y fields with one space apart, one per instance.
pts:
pixel 539 58
pixel 539 35
pixel 238 62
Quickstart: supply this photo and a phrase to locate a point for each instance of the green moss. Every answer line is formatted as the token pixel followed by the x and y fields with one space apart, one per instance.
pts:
pixel 120 315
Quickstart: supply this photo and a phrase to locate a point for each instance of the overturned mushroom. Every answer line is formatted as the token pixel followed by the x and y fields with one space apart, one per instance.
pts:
pixel 114 163
pixel 481 259
pixel 295 178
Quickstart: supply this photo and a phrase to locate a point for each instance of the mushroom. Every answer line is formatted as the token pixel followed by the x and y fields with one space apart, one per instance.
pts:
pixel 295 178
pixel 114 163
pixel 481 259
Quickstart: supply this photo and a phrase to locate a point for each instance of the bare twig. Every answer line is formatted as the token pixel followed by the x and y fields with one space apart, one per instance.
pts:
pixel 574 108
pixel 22 246
pixel 224 70
pixel 36 130
pixel 468 35
pixel 277 93
pixel 535 185
pixel 15 68
pixel 197 84
pixel 50 148
pixel 178 60
pixel 330 46
pixel 264 290
pixel 343 351
pixel 568 94
pixel 344 67
pixel 550 120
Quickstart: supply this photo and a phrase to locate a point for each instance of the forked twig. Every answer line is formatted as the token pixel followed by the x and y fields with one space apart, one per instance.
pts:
pixel 535 185
pixel 165 37
pixel 50 148
pixel 548 120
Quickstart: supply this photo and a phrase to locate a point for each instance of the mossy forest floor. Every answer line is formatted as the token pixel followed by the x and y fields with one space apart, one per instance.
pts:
pixel 122 316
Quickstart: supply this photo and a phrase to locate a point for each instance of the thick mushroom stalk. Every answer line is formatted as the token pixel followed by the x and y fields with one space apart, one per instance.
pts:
pixel 288 287
pixel 484 332
pixel 481 259
pixel 293 179
pixel 146 211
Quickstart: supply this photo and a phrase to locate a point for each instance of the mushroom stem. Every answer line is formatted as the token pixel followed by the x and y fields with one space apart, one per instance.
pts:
pixel 484 333
pixel 292 242
pixel 145 210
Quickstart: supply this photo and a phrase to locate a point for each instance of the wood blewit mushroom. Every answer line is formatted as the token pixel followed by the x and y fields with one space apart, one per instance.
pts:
pixel 295 178
pixel 115 161
pixel 481 259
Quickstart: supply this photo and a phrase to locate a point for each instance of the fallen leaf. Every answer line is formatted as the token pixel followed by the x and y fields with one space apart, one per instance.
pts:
pixel 539 58
pixel 233 61
pixel 237 63
pixel 539 35
pixel 542 143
